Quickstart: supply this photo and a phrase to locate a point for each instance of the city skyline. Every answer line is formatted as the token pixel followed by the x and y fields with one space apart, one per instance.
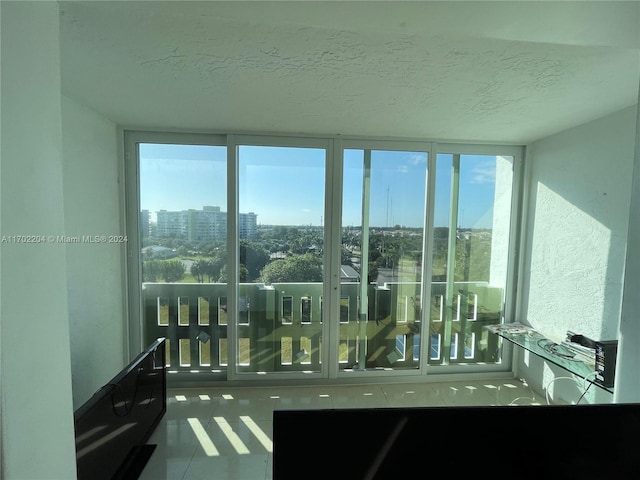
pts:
pixel 286 186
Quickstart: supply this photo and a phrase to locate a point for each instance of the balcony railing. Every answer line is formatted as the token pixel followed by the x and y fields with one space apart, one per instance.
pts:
pixel 279 326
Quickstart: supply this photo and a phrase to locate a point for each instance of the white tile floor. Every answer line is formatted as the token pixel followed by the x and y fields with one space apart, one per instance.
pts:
pixel 225 433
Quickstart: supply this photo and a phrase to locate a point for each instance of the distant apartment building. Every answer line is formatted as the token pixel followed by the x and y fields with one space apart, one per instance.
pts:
pixel 145 221
pixel 247 225
pixel 206 225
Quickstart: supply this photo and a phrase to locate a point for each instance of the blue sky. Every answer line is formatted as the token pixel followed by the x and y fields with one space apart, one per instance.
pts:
pixel 285 186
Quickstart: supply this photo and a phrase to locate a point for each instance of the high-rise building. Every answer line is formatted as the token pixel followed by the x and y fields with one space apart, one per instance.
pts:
pixel 144 223
pixel 206 225
pixel 247 225
pixel 172 224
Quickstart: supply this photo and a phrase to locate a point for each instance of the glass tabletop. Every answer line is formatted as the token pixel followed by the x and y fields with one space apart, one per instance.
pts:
pixel 546 348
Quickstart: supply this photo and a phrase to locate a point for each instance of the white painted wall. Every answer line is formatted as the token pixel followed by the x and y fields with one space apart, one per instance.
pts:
pixel 95 271
pixel 37 407
pixel 501 222
pixel 576 232
pixel 627 374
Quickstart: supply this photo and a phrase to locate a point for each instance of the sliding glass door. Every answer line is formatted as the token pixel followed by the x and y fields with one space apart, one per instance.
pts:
pixel 280 256
pixel 178 278
pixel 262 256
pixel 472 262
pixel 383 239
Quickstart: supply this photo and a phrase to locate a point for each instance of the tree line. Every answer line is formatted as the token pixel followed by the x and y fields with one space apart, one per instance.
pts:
pixel 295 254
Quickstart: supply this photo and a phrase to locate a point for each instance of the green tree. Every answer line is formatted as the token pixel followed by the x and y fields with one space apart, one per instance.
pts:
pixel 243 272
pixel 219 259
pixel 473 259
pixel 297 268
pixel 173 271
pixel 197 270
pixel 151 270
pixel 345 258
pixel 204 270
pixel 254 258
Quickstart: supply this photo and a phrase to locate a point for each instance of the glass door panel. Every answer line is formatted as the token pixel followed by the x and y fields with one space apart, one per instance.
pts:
pixel 470 248
pixel 383 217
pixel 183 232
pixel 277 324
pixel 281 196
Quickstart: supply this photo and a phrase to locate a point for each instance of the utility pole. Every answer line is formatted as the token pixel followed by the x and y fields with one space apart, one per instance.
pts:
pixel 388 189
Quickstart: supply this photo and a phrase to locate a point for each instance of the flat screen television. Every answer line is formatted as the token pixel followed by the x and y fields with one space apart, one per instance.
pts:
pixel 524 442
pixel 112 428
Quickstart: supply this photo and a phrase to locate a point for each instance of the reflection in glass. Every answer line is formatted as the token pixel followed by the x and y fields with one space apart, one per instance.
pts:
pixel 383 221
pixel 305 309
pixel 279 315
pixel 185 352
pixel 205 354
pixel 163 311
pixel 182 227
pixel 282 260
pixel 222 310
pixel 470 252
pixel 203 311
pixel 287 310
pixel 183 311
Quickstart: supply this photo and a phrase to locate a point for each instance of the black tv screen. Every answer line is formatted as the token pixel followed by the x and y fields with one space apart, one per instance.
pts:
pixel 113 426
pixel 524 442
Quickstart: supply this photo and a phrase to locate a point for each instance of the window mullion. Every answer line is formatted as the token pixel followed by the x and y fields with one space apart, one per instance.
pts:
pixel 427 259
pixel 233 257
pixel 451 257
pixel 333 256
pixel 364 275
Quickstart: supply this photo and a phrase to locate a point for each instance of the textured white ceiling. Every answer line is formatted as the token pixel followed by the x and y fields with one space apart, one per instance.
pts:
pixel 477 71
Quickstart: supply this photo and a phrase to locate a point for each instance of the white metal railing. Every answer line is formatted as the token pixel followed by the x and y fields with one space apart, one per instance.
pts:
pixel 287 320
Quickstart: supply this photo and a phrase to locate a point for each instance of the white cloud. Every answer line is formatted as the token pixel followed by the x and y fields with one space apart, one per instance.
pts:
pixel 418 158
pixel 414 160
pixel 484 172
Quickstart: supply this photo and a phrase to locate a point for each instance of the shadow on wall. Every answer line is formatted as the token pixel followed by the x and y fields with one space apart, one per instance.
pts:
pixel 577 227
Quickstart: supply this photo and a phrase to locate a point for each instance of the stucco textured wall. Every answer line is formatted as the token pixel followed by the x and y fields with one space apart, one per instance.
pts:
pixel 580 188
pixel 575 241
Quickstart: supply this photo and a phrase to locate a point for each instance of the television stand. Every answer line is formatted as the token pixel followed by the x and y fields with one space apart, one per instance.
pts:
pixel 533 341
